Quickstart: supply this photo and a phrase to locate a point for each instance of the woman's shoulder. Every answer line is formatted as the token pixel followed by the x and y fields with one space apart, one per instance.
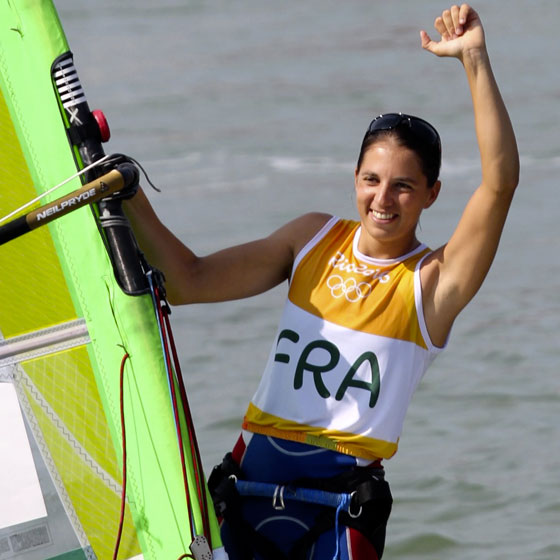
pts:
pixel 316 219
pixel 307 226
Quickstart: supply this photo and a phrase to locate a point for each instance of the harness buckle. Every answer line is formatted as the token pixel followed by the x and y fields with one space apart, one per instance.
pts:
pixel 353 515
pixel 278 498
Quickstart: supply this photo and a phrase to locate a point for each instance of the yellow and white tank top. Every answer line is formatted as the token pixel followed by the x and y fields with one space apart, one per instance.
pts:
pixel 351 348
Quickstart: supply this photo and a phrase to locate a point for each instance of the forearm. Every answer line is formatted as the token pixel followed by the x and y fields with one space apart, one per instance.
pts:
pixel 162 248
pixel 496 138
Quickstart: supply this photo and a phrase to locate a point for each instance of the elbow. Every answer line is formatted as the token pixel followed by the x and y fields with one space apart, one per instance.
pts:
pixel 513 182
pixel 506 177
pixel 509 184
pixel 513 177
pixel 514 170
pixel 501 171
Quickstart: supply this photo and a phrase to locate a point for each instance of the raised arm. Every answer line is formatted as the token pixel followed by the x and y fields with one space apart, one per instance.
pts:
pixel 456 271
pixel 233 273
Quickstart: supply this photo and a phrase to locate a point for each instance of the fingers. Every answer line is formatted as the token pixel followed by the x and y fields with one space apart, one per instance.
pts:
pixel 464 11
pixel 460 29
pixel 450 24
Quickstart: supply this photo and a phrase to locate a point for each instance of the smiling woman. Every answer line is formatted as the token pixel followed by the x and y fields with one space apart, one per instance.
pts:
pixel 369 308
pixel 396 178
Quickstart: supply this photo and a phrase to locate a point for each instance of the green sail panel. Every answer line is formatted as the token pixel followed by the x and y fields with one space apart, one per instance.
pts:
pixel 65 326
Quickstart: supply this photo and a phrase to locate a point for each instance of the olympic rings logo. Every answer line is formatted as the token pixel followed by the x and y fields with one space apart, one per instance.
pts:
pixel 350 289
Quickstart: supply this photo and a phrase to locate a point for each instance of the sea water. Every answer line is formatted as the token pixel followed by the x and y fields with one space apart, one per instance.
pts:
pixel 248 113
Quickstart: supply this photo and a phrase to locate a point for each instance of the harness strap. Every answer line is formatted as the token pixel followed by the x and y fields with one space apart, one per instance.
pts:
pixel 281 493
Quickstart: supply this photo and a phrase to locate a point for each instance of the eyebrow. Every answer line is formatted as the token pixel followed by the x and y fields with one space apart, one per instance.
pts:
pixel 406 180
pixel 403 179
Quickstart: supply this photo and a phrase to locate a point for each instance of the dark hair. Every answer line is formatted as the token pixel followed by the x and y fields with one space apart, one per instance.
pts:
pixel 411 132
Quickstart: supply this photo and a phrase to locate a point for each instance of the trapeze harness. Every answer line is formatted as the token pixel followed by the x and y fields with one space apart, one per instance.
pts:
pixel 350 350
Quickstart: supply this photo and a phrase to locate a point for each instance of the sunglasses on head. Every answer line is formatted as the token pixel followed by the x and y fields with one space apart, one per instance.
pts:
pixel 422 129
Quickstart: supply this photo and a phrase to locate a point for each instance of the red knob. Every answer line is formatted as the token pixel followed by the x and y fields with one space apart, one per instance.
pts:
pixel 102 124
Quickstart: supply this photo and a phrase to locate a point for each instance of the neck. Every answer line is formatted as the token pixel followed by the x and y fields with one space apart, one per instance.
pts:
pixel 385 250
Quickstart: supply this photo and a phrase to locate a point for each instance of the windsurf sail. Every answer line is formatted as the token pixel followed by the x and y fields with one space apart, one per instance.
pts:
pixel 82 321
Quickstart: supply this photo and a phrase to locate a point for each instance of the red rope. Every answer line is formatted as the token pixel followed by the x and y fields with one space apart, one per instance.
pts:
pixel 195 452
pixel 123 437
pixel 169 342
pixel 175 408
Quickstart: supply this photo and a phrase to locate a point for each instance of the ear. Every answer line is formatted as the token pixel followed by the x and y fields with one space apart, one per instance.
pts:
pixel 433 194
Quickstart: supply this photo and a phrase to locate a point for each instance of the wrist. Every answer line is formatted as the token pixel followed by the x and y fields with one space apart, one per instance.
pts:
pixel 475 58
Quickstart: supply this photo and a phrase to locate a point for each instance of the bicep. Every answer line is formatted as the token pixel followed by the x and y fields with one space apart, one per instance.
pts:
pixel 471 250
pixel 236 272
pixel 248 269
pixel 454 273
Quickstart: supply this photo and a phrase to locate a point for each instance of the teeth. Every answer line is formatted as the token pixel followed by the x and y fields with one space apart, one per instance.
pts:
pixel 382 216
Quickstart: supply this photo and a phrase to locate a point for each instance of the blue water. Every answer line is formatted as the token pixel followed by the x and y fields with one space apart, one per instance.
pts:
pixel 249 113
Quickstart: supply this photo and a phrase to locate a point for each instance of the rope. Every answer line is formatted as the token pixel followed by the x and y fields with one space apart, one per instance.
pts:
pixel 175 378
pixel 116 158
pixel 195 452
pixel 53 189
pixel 172 392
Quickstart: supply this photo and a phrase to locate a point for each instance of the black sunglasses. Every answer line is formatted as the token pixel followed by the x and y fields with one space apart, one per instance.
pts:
pixel 422 129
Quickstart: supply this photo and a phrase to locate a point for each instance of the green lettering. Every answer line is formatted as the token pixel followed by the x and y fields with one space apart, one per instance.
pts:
pixel 372 387
pixel 290 335
pixel 317 369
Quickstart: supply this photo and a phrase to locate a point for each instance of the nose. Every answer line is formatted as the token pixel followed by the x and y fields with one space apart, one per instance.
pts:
pixel 383 195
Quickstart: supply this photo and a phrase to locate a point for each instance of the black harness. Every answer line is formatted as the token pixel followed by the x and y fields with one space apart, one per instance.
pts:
pixel 370 507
